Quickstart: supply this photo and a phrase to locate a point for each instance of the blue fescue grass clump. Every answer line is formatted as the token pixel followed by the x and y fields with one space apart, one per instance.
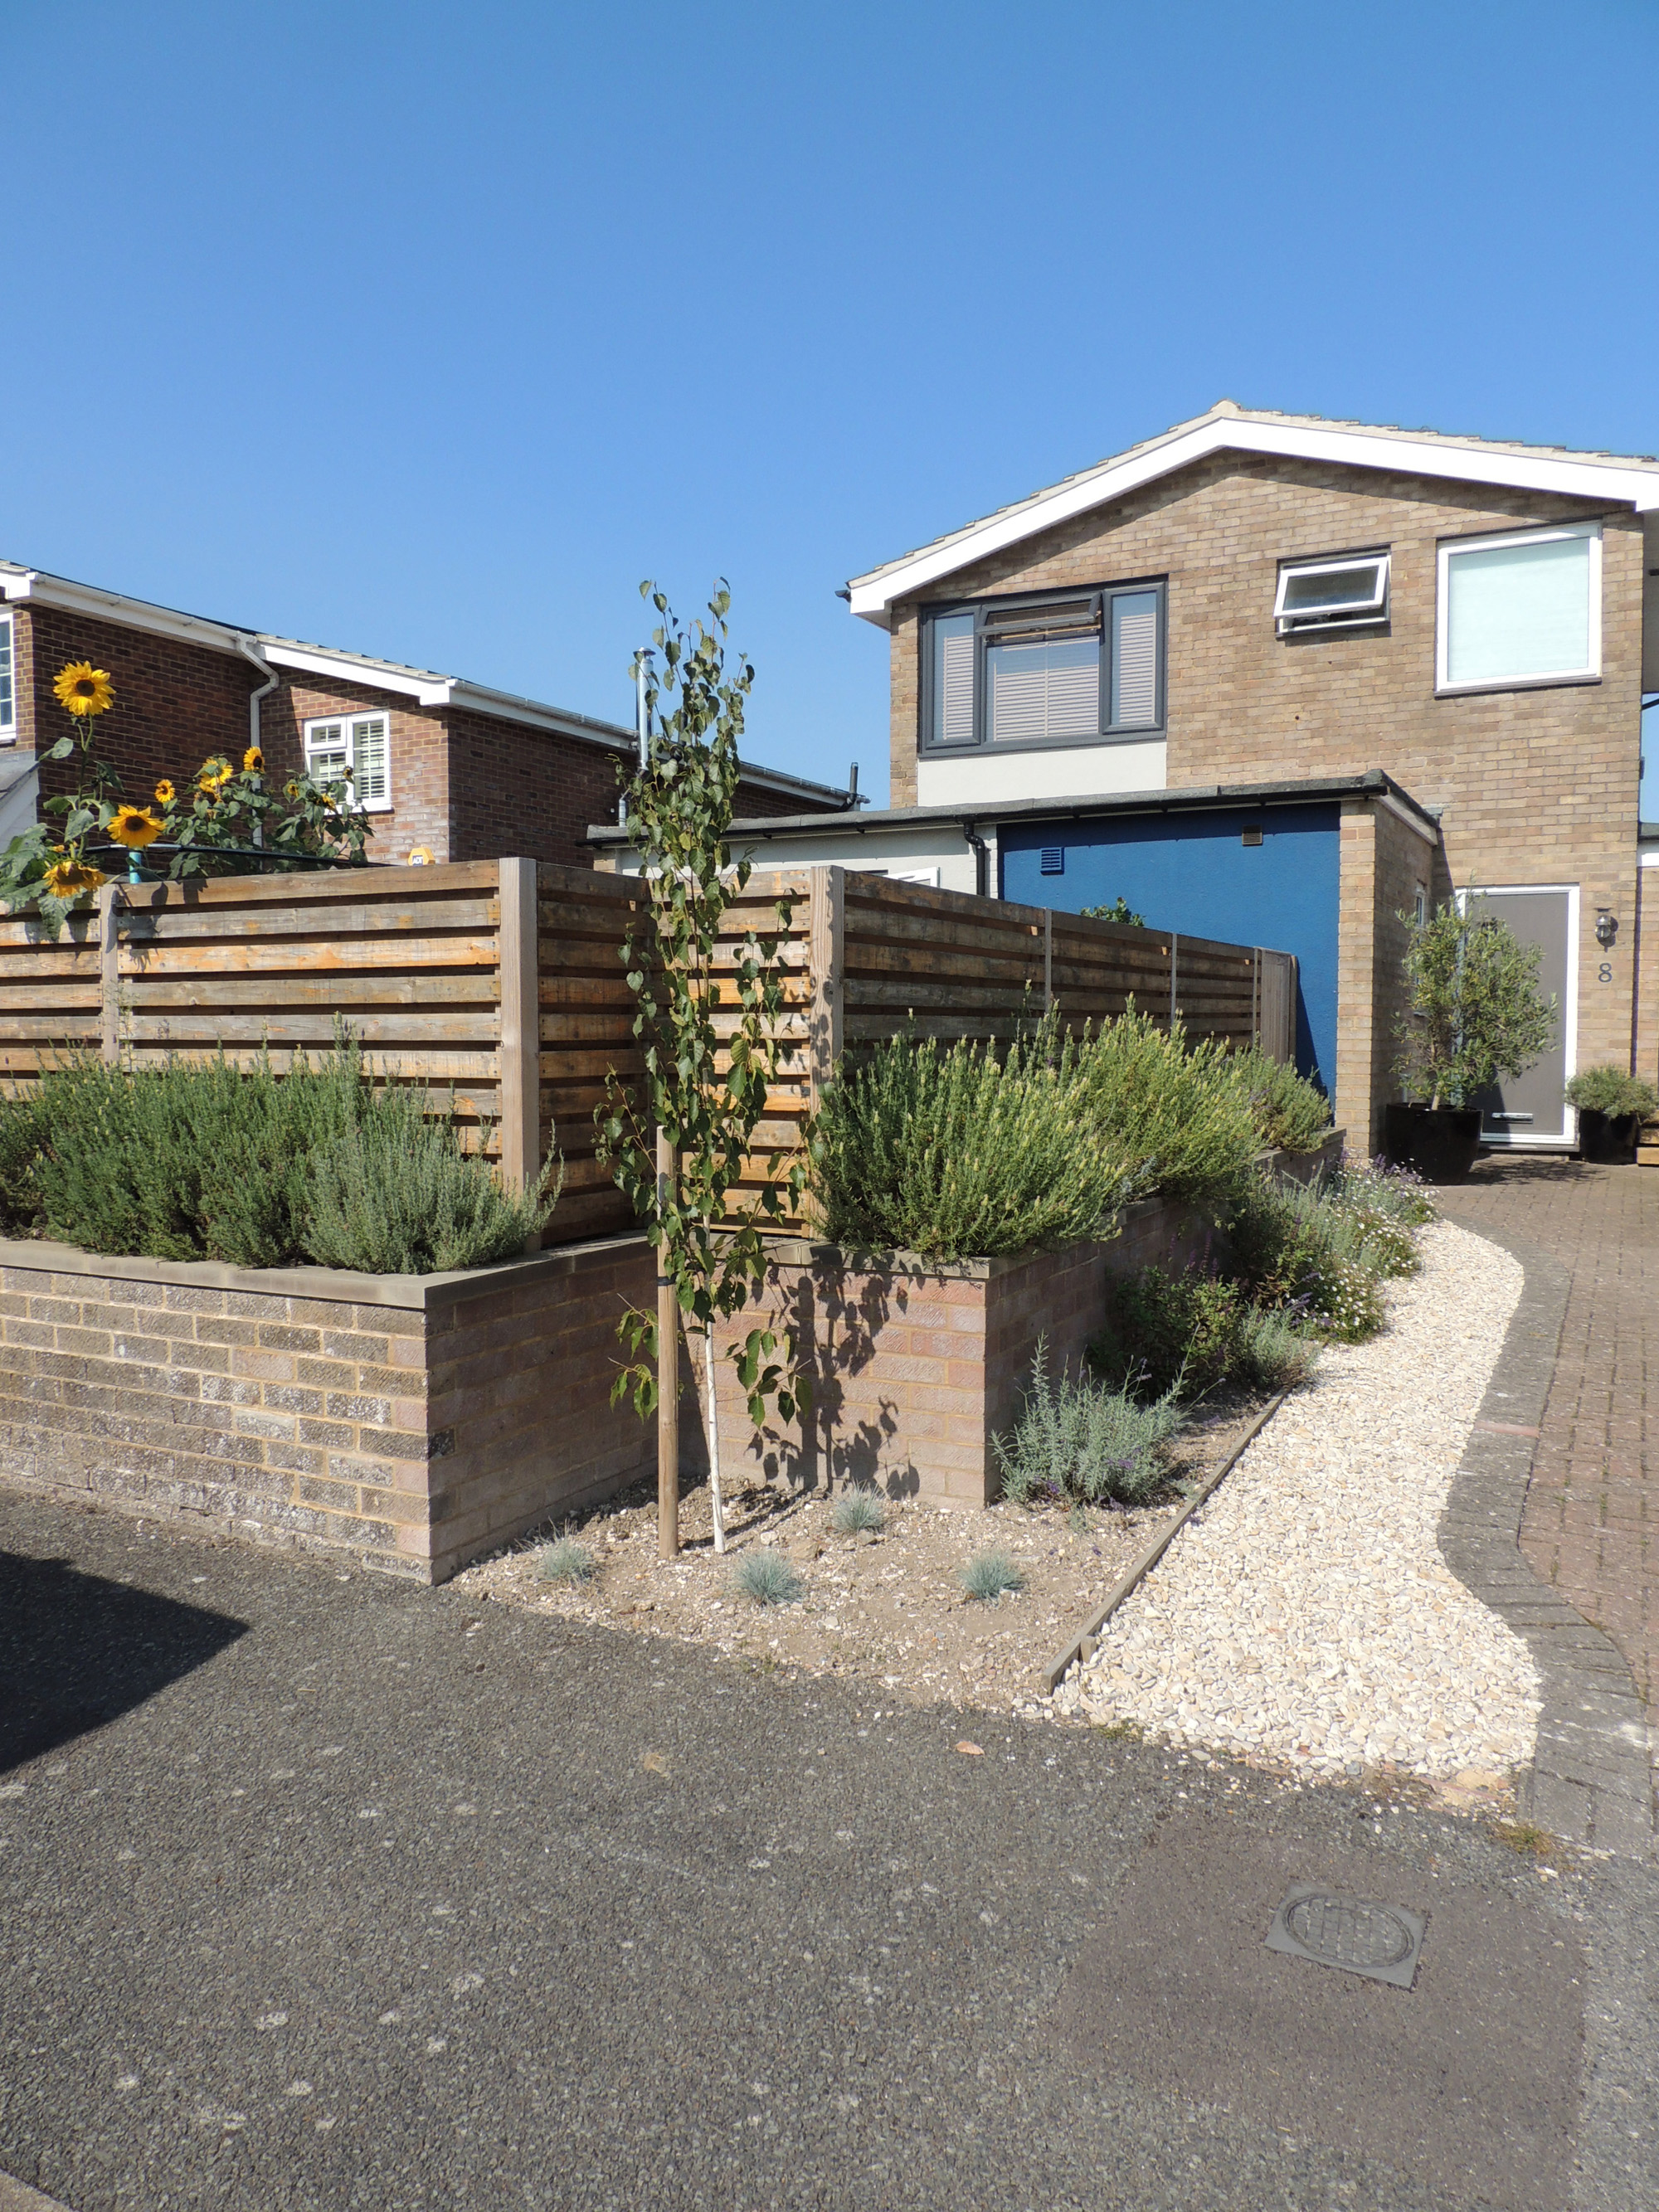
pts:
pixel 855 1512
pixel 565 1561
pixel 988 1575
pixel 766 1577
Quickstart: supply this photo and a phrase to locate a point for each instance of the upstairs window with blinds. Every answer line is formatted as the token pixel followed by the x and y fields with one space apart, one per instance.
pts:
pixel 1525 608
pixel 1062 670
pixel 8 682
pixel 355 748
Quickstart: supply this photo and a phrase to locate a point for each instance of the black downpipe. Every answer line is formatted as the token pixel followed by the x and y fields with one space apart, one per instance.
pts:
pixel 981 852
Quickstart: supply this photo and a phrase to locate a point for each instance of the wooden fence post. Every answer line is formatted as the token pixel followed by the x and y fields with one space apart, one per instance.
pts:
pixel 109 973
pixel 826 954
pixel 519 969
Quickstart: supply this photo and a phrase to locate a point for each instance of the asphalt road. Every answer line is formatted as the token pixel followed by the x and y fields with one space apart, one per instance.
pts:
pixel 320 1892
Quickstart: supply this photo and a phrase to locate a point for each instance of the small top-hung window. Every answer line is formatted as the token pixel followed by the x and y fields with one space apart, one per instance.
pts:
pixel 1332 594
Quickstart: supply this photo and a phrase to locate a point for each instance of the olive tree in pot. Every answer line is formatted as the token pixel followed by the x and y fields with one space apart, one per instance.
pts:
pixel 1475 1012
pixel 1612 1106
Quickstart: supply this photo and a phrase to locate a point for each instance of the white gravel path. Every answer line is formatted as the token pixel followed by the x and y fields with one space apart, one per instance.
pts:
pixel 1306 1614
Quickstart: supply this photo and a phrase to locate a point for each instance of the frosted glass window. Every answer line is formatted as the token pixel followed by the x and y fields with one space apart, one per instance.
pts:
pixel 953 680
pixel 7 683
pixel 1519 610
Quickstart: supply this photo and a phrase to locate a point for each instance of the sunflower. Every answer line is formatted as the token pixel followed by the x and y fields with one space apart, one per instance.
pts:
pixel 165 794
pixel 135 826
pixel 67 878
pixel 253 762
pixel 214 774
pixel 84 689
pixel 291 789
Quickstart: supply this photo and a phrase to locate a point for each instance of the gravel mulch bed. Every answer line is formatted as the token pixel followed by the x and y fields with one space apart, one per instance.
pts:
pixel 890 1607
pixel 1305 1615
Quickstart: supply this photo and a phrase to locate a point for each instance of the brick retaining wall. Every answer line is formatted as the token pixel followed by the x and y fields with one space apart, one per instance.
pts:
pixel 411 1421
pixel 414 1422
pixel 916 1367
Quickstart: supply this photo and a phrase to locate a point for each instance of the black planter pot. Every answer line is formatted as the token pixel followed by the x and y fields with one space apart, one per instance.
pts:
pixel 1608 1139
pixel 1439 1143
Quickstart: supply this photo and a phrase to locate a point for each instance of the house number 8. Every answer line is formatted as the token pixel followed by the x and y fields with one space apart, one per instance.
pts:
pixel 1607 971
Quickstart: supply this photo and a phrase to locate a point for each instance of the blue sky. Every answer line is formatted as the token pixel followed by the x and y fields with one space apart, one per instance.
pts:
pixel 430 330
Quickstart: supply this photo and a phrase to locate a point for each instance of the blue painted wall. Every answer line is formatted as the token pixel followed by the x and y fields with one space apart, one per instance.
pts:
pixel 1190 872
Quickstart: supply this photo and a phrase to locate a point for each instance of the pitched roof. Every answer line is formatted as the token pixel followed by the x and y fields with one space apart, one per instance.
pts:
pixel 1614 478
pixel 428 687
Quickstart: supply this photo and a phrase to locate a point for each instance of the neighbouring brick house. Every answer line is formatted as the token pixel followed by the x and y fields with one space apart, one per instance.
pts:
pixel 1279 680
pixel 444 766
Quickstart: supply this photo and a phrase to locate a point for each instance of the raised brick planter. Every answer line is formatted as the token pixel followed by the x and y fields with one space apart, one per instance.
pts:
pixel 412 1421
pixel 917 1367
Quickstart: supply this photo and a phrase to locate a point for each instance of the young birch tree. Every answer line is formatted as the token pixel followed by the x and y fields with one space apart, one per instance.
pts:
pixel 707 1020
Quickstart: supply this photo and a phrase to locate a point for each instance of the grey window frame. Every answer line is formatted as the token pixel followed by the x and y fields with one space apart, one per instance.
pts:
pixel 1100 597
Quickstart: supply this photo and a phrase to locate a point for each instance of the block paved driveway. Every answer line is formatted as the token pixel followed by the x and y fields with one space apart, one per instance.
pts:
pixel 316 1892
pixel 1592 1525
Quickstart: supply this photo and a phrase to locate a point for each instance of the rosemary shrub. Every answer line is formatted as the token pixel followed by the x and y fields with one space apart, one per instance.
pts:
pixel 1173 1111
pixel 1289 1114
pixel 964 1153
pixel 200 1160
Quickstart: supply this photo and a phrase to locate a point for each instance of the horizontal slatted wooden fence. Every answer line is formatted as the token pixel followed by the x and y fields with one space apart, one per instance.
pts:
pixel 499 984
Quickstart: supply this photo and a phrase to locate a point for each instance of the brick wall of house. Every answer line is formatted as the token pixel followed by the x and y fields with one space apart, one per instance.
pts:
pixel 174 702
pixel 419 756
pixel 409 1424
pixel 464 786
pixel 524 790
pixel 1535 786
pixel 1384 860
pixel 757 803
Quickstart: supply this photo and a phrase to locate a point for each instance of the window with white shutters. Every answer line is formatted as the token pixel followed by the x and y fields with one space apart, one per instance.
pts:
pixel 1067 668
pixel 355 749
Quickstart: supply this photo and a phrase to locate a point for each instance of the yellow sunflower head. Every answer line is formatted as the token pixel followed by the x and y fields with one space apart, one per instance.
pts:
pixel 165 794
pixel 291 789
pixel 66 878
pixel 214 774
pixel 135 826
pixel 254 761
pixel 84 689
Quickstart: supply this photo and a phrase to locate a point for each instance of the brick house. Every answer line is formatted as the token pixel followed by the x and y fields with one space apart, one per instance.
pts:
pixel 452 769
pixel 1280 680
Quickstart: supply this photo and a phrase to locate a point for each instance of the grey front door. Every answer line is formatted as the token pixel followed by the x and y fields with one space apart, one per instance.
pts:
pixel 1530 1109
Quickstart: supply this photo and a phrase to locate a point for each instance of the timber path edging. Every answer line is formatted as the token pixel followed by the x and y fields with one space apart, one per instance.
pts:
pixel 1591 1779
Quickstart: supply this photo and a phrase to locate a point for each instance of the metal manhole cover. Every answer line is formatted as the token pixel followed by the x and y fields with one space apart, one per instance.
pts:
pixel 1356 1934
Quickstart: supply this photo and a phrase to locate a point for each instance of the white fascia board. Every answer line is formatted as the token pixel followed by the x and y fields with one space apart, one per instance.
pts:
pixel 110 606
pixel 435 690
pixel 1606 483
pixel 508 707
pixel 314 660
